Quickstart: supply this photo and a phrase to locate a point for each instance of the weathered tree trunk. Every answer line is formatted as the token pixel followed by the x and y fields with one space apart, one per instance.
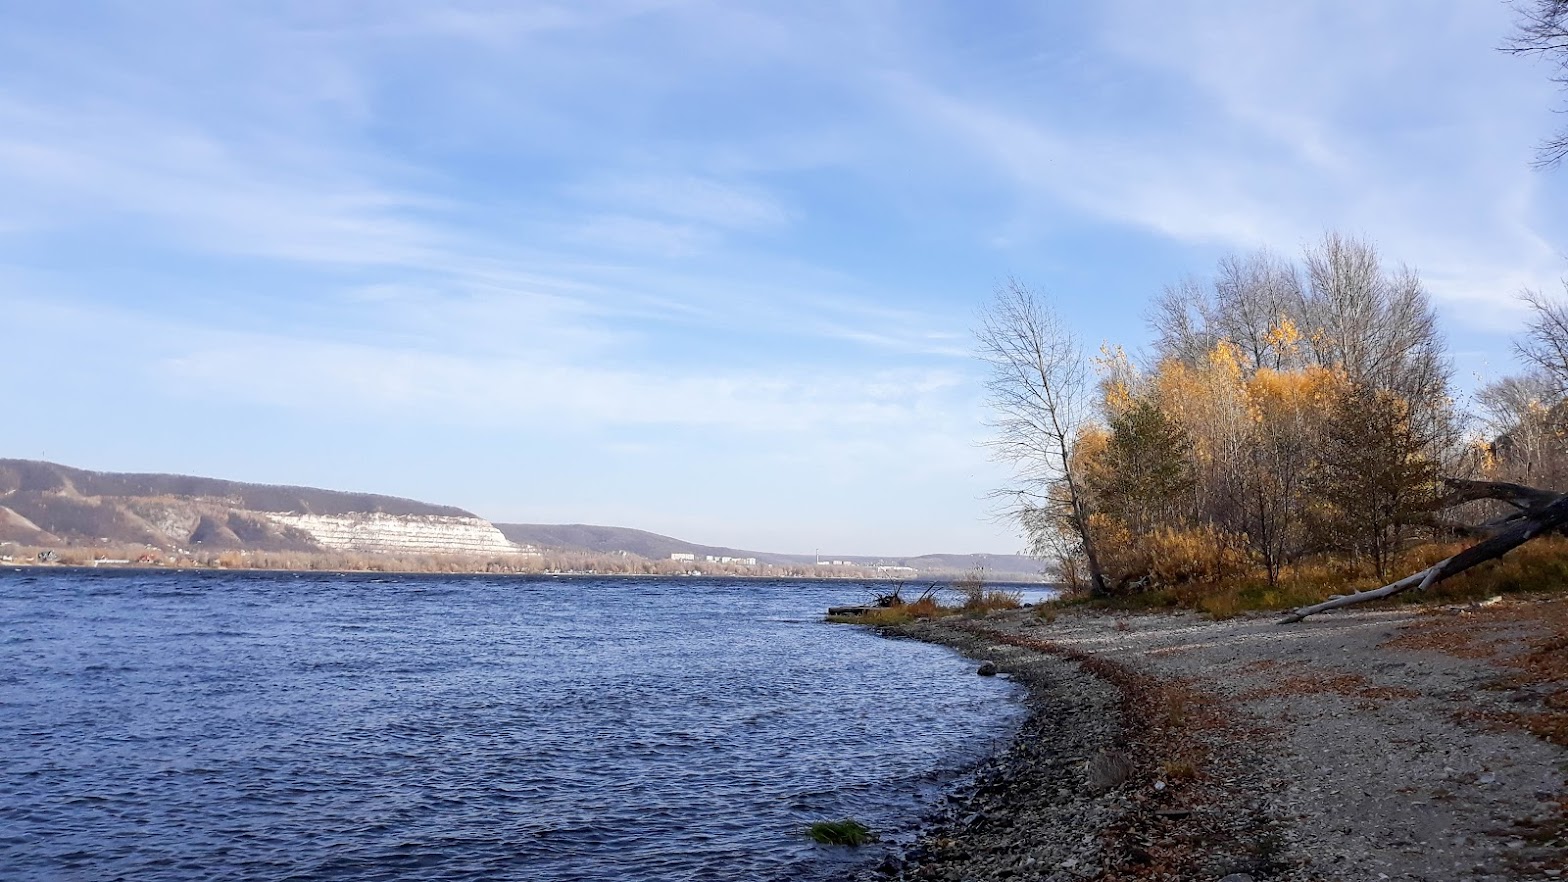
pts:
pixel 1539 511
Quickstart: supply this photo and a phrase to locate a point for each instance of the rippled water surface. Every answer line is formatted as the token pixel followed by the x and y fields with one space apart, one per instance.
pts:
pixel 280 726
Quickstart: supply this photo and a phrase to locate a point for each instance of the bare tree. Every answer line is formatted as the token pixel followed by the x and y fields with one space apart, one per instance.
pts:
pixel 1545 343
pixel 1179 320
pixel 1543 30
pixel 1380 329
pixel 1526 424
pixel 1037 387
pixel 1253 296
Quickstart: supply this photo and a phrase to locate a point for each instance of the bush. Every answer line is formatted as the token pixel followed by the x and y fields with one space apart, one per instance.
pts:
pixel 1167 557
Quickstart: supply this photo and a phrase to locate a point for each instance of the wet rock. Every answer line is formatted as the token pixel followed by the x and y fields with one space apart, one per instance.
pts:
pixel 987 669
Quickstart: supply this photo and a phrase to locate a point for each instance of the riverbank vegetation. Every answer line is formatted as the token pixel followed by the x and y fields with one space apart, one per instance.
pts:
pixel 549 561
pixel 1287 437
pixel 969 595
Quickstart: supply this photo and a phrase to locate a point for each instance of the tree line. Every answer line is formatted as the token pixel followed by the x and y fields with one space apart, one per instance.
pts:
pixel 1288 414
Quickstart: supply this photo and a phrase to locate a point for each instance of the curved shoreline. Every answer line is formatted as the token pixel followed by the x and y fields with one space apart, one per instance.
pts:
pixel 1032 783
pixel 1334 749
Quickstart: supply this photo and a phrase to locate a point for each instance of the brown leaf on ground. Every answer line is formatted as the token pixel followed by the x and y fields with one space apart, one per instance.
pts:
pixel 1527 641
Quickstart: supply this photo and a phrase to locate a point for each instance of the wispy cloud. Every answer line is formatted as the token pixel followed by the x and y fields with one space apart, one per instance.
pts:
pixel 525 392
pixel 1403 137
pixel 700 200
pixel 715 220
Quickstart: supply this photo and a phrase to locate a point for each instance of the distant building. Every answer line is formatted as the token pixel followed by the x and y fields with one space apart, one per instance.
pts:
pixel 681 555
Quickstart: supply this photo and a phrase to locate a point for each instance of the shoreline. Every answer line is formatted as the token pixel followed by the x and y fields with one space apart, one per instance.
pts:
pixel 1070 716
pixel 1167 746
pixel 19 565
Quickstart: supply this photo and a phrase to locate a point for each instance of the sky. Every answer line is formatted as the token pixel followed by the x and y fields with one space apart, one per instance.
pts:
pixel 710 269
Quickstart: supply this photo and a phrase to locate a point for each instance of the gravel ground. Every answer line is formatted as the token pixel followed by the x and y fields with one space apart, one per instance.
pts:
pixel 1168 746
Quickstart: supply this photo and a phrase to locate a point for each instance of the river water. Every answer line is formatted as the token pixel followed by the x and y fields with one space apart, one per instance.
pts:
pixel 165 725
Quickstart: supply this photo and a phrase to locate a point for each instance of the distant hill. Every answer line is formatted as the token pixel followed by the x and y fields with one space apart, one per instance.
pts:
pixel 25 475
pixel 47 504
pixel 608 540
pixel 43 503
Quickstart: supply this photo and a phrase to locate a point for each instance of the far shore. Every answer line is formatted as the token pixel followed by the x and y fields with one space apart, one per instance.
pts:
pixel 1005 580
pixel 1403 743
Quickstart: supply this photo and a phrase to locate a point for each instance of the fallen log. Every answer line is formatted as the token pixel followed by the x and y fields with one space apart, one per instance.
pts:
pixel 1541 511
pixel 1519 496
pixel 860 610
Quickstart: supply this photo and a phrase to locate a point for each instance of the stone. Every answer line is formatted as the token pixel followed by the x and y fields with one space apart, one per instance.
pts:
pixel 987 669
pixel 1237 877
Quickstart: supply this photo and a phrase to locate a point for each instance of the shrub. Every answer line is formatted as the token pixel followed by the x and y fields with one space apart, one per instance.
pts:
pixel 1168 557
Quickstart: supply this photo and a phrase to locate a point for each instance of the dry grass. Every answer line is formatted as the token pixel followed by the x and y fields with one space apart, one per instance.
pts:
pixel 1179 770
pixel 976 603
pixel 1540 566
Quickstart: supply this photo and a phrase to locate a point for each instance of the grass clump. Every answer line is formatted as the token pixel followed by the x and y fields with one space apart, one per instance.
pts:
pixel 846 832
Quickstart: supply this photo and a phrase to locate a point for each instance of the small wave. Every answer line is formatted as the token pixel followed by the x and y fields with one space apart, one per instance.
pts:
pixel 497 729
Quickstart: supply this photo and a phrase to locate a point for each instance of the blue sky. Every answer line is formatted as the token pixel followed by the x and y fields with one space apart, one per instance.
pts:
pixel 703 268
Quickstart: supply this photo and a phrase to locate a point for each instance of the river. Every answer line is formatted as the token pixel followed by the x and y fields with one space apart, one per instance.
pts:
pixel 163 725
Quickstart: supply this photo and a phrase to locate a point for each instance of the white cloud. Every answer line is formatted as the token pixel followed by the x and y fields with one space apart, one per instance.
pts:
pixel 1292 120
pixel 524 391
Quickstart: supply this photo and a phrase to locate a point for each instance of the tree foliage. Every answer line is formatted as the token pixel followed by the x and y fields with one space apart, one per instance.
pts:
pixel 1288 411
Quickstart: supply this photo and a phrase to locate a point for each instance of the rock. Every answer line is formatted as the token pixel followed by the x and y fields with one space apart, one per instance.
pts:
pixel 987 669
pixel 1237 877
pixel 1107 770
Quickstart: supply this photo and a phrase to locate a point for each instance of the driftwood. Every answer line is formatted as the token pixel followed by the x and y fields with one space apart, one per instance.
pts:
pixel 1536 512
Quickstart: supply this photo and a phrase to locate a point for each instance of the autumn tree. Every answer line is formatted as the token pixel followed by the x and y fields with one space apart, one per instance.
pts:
pixel 1288 414
pixel 1343 310
pixel 1037 386
pixel 1246 305
pixel 1378 327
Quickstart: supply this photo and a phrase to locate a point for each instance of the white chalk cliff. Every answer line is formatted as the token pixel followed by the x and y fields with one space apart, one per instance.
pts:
pixel 408 534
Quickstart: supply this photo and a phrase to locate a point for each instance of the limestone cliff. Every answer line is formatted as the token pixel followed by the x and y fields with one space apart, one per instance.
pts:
pixel 378 532
pixel 50 504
